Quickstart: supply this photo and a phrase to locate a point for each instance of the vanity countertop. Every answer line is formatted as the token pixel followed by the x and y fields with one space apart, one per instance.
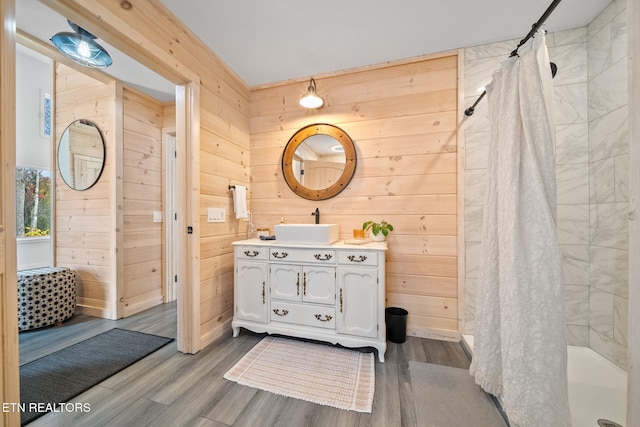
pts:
pixel 340 244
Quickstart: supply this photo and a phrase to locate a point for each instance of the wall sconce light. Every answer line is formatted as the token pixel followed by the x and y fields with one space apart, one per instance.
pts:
pixel 81 47
pixel 311 99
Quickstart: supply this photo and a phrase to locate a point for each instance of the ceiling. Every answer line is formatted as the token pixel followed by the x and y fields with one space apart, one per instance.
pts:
pixel 271 41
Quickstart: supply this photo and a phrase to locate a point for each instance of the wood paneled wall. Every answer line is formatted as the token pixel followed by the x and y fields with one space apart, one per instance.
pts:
pixel 107 233
pixel 402 118
pixel 143 189
pixel 224 161
pixel 213 128
pixel 86 220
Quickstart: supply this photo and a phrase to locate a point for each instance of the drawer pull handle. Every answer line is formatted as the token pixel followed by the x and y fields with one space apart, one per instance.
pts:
pixel 326 317
pixel 340 300
pixel 304 285
pixel 298 285
pixel 277 312
pixel 361 258
pixel 277 255
pixel 263 293
pixel 251 253
pixel 325 257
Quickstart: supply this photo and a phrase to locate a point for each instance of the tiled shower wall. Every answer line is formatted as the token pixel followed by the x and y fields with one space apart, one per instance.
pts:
pixel 608 178
pixel 590 114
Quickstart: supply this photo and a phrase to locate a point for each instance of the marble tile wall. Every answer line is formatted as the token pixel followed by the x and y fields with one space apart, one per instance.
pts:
pixel 608 177
pixel 591 171
pixel 569 52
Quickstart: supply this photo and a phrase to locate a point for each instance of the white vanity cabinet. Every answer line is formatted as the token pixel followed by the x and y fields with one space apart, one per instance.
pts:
pixel 358 301
pixel 251 285
pixel 309 283
pixel 333 293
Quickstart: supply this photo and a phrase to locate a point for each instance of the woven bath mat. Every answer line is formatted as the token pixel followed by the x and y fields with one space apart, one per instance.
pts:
pixel 317 373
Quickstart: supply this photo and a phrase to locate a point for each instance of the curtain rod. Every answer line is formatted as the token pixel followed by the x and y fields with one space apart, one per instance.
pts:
pixel 469 111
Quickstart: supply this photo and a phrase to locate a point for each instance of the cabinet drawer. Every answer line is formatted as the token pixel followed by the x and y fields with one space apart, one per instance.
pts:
pixel 321 256
pixel 303 314
pixel 358 257
pixel 252 252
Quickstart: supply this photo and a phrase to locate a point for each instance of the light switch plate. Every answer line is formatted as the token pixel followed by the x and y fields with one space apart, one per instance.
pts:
pixel 216 214
pixel 157 216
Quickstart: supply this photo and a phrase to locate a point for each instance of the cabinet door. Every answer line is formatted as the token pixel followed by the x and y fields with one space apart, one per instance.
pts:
pixel 319 284
pixel 286 282
pixel 357 301
pixel 251 291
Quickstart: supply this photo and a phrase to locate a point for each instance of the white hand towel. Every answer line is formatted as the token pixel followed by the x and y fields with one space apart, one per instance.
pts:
pixel 240 202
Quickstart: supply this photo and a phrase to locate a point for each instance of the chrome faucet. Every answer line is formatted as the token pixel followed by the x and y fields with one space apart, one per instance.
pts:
pixel 316 213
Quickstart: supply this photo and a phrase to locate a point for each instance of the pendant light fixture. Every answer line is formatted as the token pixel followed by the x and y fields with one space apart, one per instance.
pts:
pixel 311 99
pixel 81 47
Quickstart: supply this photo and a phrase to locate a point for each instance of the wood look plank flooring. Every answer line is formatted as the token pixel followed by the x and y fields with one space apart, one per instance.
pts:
pixel 168 388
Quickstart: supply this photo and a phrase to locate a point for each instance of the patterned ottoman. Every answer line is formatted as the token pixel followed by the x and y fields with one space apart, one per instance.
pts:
pixel 46 296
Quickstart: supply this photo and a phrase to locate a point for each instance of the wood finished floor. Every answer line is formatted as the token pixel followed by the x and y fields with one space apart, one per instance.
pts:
pixel 168 388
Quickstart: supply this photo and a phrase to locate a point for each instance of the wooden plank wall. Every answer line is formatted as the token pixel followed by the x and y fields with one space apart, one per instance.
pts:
pixel 224 161
pixel 169 116
pixel 402 118
pixel 86 235
pixel 143 189
pixel 221 147
pixel 218 144
pixel 84 232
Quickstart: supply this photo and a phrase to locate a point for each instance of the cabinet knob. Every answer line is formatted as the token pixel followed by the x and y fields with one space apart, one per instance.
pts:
pixel 304 285
pixel 340 300
pixel 298 285
pixel 263 293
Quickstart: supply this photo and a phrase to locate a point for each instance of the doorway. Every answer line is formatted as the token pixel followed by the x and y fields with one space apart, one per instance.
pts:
pixel 174 266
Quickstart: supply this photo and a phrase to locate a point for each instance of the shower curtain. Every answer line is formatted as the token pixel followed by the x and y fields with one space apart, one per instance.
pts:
pixel 520 354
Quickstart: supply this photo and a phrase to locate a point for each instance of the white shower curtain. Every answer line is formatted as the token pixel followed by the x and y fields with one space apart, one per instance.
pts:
pixel 519 351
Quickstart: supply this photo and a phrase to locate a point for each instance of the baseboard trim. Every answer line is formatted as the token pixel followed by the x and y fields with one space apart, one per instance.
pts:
pixel 436 334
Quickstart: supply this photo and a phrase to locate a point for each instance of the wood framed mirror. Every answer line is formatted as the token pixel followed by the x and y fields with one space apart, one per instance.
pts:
pixel 81 154
pixel 319 161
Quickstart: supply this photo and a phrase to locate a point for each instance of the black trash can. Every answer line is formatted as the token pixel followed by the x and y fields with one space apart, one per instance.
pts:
pixel 396 319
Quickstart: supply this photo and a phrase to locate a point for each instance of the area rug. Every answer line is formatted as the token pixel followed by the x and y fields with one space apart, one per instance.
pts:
pixel 318 373
pixel 449 397
pixel 47 383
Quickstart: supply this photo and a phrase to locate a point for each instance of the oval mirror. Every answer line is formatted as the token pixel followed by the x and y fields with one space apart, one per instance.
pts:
pixel 319 161
pixel 81 154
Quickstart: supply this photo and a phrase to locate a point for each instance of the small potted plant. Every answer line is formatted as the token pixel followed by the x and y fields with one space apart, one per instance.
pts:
pixel 379 230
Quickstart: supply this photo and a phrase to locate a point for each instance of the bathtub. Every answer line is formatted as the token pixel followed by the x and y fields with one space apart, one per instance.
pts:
pixel 597 387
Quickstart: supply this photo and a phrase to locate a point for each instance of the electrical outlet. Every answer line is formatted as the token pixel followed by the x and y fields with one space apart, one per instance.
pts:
pixel 216 215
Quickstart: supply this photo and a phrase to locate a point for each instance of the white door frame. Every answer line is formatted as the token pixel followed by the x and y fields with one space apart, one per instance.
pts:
pixel 170 214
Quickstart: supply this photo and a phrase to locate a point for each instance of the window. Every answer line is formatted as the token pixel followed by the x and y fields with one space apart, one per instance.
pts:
pixel 33 202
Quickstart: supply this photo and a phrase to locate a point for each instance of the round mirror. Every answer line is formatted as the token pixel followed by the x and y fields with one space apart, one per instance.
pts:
pixel 81 154
pixel 319 161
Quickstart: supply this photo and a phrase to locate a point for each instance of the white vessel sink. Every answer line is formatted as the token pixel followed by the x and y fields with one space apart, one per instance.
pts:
pixel 307 234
